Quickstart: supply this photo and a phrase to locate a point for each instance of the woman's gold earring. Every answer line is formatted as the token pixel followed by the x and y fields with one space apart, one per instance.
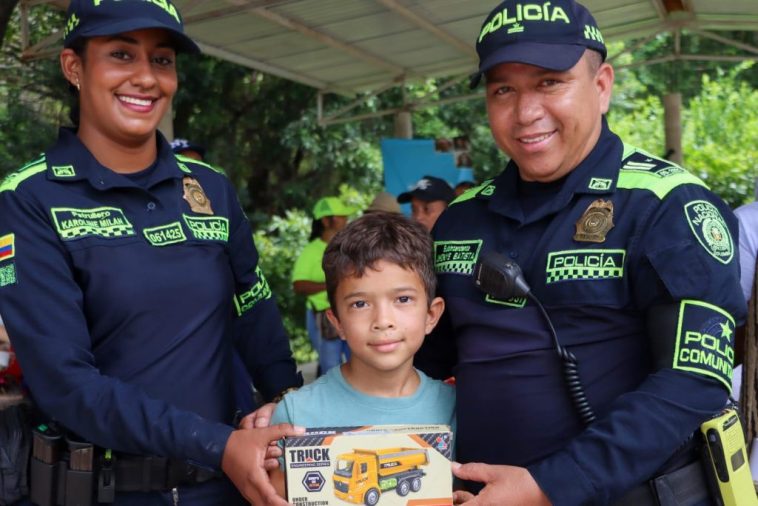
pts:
pixel 78 88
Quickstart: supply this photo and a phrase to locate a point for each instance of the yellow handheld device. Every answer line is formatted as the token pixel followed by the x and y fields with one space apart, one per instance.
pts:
pixel 726 461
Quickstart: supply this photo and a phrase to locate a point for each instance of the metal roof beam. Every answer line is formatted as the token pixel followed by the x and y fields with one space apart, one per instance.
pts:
pixel 659 8
pixel 407 107
pixel 424 24
pixel 237 8
pixel 261 66
pixel 636 46
pixel 687 57
pixel 725 40
pixel 328 40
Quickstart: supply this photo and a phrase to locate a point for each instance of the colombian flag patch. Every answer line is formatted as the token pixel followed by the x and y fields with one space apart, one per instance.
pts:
pixel 7 247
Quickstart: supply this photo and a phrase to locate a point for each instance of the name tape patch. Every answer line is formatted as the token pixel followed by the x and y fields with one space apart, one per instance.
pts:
pixel 456 257
pixel 106 222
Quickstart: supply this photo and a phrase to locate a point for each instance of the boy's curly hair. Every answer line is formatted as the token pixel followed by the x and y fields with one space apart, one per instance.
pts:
pixel 374 237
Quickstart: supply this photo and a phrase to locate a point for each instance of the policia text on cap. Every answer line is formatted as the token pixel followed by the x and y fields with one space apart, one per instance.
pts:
pixel 128 275
pixel 633 258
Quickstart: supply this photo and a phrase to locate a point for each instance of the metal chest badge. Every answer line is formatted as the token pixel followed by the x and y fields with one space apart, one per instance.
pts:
pixel 595 223
pixel 195 196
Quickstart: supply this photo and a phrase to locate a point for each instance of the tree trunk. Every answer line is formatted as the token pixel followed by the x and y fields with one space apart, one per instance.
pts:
pixel 6 10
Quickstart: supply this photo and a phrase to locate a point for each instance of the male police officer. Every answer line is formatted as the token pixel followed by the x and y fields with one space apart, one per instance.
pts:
pixel 633 258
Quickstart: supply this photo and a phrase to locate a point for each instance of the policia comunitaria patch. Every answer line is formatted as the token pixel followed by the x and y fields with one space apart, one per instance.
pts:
pixel 705 341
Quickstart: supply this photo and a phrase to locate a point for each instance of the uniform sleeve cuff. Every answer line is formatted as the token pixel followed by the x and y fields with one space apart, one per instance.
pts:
pixel 210 450
pixel 563 481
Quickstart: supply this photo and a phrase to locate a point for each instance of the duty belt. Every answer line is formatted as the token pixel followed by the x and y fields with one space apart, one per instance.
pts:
pixel 65 471
pixel 686 486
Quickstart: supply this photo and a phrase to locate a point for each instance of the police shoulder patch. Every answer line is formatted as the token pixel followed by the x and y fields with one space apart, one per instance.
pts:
pixel 710 229
pixel 705 341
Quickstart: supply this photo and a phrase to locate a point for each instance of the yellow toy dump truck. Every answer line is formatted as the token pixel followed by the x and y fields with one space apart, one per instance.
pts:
pixel 363 475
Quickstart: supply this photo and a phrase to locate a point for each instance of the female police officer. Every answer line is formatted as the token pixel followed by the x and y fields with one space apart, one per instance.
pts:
pixel 127 274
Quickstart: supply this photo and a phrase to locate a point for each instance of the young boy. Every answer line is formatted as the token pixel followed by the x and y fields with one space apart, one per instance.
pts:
pixel 380 281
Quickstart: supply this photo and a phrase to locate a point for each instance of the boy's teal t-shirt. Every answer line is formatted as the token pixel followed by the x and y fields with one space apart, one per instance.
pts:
pixel 330 401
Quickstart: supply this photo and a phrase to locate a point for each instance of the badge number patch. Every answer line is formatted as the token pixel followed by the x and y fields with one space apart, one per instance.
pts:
pixel 165 234
pixel 711 231
pixel 456 257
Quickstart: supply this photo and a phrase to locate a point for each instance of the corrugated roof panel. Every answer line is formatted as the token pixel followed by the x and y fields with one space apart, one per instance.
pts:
pixel 279 47
pixel 233 29
pixel 368 27
pixel 384 34
pixel 317 13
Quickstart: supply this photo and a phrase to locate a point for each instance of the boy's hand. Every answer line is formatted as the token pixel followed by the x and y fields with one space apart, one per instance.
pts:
pixel 504 485
pixel 243 462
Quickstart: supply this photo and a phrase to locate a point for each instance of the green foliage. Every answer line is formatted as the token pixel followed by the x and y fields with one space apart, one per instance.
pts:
pixel 32 94
pixel 720 135
pixel 279 243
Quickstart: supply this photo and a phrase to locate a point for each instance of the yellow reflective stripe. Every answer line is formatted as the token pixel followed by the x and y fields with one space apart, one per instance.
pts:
pixel 660 186
pixel 187 159
pixel 12 180
pixel 470 193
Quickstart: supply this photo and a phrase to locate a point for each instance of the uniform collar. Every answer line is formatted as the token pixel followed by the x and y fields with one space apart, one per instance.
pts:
pixel 70 160
pixel 596 174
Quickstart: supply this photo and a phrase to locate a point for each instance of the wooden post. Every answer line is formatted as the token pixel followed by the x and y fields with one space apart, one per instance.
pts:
pixel 403 125
pixel 672 114
pixel 166 125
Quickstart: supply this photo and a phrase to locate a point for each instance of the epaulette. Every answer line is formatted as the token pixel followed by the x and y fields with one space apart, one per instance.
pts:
pixel 183 162
pixel 483 189
pixel 12 180
pixel 644 171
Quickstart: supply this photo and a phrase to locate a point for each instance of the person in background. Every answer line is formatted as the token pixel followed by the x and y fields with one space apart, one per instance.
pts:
pixel 380 283
pixel 329 217
pixel 128 279
pixel 186 148
pixel 384 202
pixel 633 262
pixel 461 187
pixel 429 197
pixel 747 216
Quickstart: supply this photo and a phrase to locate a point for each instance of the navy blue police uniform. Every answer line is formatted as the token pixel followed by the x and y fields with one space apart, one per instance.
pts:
pixel 125 296
pixel 621 235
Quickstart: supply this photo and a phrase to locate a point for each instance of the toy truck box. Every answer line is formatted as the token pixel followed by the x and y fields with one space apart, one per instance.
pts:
pixel 385 465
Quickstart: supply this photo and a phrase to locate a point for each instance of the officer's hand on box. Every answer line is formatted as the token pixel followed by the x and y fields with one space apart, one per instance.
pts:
pixel 243 462
pixel 504 485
